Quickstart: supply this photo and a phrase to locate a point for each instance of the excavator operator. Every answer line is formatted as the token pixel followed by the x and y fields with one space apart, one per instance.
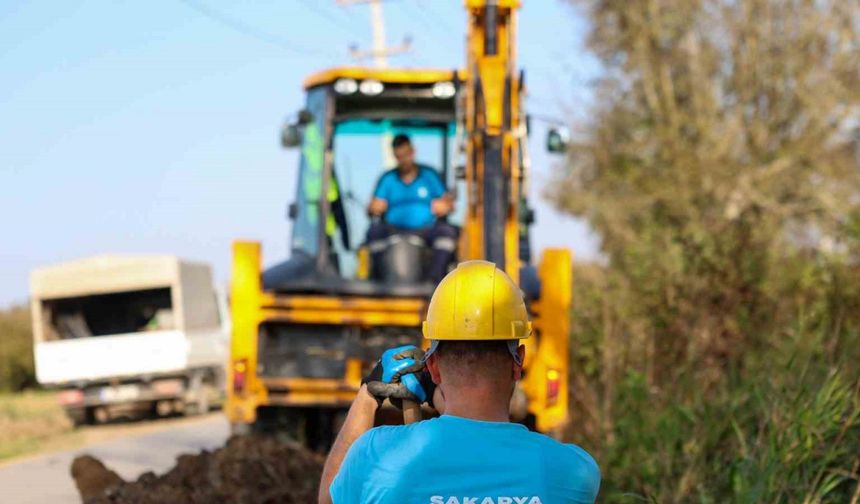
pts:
pixel 471 454
pixel 412 198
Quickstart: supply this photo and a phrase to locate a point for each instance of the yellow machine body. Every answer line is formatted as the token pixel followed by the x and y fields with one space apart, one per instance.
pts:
pixel 491 132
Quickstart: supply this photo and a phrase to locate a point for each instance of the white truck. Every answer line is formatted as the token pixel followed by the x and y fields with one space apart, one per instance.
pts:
pixel 125 335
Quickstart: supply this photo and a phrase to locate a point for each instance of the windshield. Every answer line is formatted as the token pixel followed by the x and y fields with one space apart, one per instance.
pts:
pixel 363 153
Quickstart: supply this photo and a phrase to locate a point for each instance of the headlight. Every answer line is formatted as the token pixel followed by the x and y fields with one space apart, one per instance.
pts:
pixel 371 87
pixel 444 89
pixel 345 86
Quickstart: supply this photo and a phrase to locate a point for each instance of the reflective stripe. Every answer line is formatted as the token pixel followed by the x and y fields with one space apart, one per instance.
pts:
pixel 445 243
pixel 408 238
pixel 382 244
pixel 377 245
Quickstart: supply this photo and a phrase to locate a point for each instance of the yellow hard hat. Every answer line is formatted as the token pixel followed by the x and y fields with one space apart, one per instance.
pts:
pixel 476 302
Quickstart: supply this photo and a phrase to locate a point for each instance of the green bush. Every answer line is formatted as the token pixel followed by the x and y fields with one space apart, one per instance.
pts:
pixel 16 350
pixel 779 423
pixel 757 440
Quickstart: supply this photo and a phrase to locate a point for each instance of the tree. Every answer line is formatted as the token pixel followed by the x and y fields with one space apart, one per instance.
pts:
pixel 723 146
pixel 716 353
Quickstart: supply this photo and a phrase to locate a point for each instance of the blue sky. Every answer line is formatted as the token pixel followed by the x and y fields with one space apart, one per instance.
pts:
pixel 148 127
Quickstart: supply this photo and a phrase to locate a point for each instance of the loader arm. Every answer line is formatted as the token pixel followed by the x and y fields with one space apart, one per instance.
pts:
pixel 493 174
pixel 495 177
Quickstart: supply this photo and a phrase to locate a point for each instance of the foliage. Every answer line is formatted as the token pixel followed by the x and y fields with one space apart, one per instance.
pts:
pixel 16 350
pixel 717 351
pixel 782 427
pixel 724 142
pixel 29 421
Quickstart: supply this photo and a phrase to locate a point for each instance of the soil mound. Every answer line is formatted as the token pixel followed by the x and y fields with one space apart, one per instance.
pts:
pixel 247 470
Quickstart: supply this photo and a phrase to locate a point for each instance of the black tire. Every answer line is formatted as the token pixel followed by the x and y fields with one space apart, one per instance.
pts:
pixel 80 416
pixel 314 428
pixel 273 420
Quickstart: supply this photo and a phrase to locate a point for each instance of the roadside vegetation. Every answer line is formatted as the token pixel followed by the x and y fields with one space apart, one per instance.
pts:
pixel 717 351
pixel 16 350
pixel 30 421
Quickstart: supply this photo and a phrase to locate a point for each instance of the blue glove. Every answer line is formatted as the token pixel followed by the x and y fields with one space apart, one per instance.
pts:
pixel 394 376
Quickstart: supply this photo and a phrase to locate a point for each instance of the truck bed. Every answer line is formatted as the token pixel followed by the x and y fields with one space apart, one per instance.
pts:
pixel 125 355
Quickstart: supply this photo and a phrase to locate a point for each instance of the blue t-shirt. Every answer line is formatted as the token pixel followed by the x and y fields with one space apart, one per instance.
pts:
pixel 454 460
pixel 409 204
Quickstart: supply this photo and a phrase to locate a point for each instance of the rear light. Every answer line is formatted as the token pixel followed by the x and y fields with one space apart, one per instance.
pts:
pixel 70 397
pixel 240 374
pixel 553 385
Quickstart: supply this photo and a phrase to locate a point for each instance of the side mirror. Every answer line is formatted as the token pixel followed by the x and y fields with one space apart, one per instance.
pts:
pixel 291 135
pixel 304 117
pixel 557 140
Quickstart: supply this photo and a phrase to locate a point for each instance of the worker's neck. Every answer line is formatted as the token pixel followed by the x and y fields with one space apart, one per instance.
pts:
pixel 478 403
pixel 408 172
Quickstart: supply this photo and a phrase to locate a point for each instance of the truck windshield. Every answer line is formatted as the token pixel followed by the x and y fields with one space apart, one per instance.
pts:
pixel 362 153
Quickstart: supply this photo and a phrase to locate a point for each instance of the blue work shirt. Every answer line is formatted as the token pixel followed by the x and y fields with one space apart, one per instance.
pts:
pixel 409 204
pixel 454 460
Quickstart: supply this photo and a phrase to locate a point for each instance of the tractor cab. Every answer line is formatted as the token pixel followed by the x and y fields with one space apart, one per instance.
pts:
pixel 344 136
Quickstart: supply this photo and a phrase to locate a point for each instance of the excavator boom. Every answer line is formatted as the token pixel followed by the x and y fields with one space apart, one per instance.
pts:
pixel 493 171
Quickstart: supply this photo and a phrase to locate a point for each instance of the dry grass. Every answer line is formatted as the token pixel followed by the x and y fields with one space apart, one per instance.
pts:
pixel 29 421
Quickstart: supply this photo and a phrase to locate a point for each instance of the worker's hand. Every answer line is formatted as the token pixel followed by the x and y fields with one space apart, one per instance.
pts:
pixel 400 375
pixel 415 378
pixel 377 207
pixel 442 206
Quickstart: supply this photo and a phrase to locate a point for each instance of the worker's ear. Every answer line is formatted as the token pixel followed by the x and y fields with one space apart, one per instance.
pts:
pixel 518 368
pixel 433 367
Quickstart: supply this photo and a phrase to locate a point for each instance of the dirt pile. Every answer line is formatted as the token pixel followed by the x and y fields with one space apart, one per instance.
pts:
pixel 247 470
pixel 92 477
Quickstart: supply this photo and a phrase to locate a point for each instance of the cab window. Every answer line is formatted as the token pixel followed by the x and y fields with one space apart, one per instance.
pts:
pixel 362 153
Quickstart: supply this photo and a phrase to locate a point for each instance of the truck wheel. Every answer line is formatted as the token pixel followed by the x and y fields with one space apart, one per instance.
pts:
pixel 101 415
pixel 80 416
pixel 163 407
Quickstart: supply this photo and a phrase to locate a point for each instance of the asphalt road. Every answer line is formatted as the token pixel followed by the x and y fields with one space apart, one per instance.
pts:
pixel 139 448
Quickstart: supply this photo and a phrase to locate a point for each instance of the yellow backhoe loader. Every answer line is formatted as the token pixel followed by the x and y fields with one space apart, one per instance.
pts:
pixel 305 330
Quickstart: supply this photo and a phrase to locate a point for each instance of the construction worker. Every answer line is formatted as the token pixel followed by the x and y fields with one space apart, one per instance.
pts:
pixel 471 454
pixel 412 198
